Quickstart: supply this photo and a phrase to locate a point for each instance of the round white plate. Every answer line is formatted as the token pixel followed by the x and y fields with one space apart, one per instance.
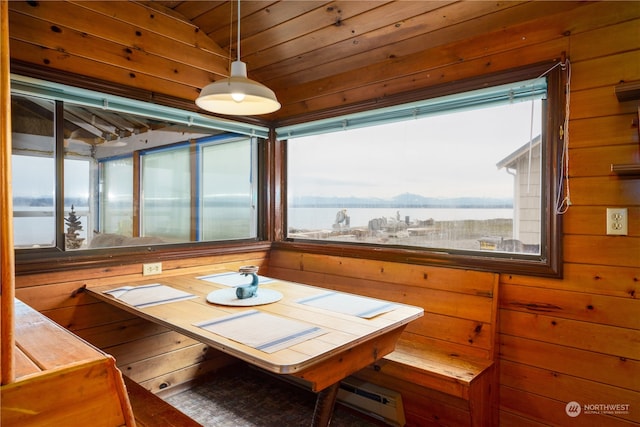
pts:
pixel 228 297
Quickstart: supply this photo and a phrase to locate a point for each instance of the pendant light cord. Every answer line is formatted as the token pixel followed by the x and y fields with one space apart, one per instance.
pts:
pixel 230 36
pixel 238 46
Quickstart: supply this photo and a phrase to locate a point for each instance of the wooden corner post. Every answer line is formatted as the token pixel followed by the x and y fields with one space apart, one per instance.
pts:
pixel 7 258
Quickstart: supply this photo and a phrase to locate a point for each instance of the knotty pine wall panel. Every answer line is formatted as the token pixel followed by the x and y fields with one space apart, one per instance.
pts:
pixel 602 309
pixel 104 52
pixel 128 43
pixel 550 388
pixel 592 220
pixel 122 332
pixel 608 190
pixel 598 367
pixel 495 50
pixel 68 63
pixel 160 364
pixel 616 281
pixel 588 162
pixel 451 316
pixel 556 385
pixel 137 31
pixel 607 250
pixel 578 338
pixel 164 342
pixel 597 131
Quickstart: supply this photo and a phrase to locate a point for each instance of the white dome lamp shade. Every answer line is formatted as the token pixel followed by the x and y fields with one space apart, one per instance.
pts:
pixel 238 95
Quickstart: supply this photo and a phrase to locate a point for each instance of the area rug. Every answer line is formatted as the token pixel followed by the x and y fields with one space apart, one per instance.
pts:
pixel 249 398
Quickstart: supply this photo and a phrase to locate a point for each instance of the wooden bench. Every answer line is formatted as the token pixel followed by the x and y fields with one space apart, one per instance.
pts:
pixel 444 363
pixel 471 380
pixel 454 366
pixel 63 380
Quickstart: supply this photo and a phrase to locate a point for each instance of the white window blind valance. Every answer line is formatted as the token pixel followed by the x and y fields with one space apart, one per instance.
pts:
pixel 496 95
pixel 54 91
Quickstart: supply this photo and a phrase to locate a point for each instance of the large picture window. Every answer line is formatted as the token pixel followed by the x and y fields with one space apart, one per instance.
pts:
pixel 465 174
pixel 93 171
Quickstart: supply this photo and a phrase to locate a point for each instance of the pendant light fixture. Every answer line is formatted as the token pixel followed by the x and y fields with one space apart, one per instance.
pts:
pixel 237 95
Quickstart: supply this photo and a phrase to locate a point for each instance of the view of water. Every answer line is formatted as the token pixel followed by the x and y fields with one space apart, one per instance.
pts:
pixel 323 218
pixel 33 229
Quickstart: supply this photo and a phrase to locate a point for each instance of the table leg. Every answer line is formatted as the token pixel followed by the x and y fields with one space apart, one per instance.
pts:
pixel 325 401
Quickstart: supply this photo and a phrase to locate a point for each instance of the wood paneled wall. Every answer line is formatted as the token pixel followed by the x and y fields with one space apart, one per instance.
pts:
pixel 121 43
pixel 561 340
pixel 578 339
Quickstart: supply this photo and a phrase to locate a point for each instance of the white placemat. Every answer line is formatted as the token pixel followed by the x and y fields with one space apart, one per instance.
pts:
pixel 149 295
pixel 349 304
pixel 228 297
pixel 262 331
pixel 233 279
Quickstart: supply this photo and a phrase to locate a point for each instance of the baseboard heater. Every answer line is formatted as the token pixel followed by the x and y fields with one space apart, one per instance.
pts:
pixel 377 402
pixel 372 400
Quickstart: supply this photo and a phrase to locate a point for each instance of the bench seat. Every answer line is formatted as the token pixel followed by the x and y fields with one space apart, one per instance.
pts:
pixel 50 358
pixel 460 389
pixel 444 364
pixel 449 373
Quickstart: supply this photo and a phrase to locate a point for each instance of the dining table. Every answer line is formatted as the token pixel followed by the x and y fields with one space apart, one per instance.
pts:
pixel 316 334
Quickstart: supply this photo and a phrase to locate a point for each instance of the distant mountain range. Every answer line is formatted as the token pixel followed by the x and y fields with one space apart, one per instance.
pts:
pixel 405 200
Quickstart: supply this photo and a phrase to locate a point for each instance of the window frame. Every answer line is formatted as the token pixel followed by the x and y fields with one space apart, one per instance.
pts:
pixel 547 264
pixel 272 197
pixel 55 259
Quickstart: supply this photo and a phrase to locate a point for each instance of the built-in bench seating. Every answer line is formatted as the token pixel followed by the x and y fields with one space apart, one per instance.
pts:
pixel 457 369
pixel 444 362
pixel 459 375
pixel 63 380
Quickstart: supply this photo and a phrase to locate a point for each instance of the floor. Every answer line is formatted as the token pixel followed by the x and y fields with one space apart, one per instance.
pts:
pixel 249 398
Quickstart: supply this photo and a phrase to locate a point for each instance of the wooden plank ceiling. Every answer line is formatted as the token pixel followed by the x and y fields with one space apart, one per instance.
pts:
pixel 314 54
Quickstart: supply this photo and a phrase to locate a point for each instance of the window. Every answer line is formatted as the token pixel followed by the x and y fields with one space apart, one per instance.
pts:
pixel 33 201
pixel 166 194
pixel 131 173
pixel 172 210
pixel 34 173
pixel 464 175
pixel 228 194
pixel 116 196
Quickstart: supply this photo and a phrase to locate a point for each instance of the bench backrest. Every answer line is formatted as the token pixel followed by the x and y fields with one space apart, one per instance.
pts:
pixel 460 305
pixel 61 378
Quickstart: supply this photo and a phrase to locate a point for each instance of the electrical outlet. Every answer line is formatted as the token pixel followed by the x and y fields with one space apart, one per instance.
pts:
pixel 617 221
pixel 151 269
